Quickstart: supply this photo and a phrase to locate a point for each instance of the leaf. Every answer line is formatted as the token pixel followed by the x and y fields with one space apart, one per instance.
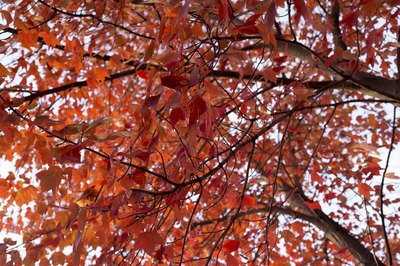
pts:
pixel 225 11
pixel 249 26
pixel 141 73
pixel 3 71
pixel 148 241
pixel 176 115
pixel 392 176
pixel 7 17
pixel 249 201
pixel 151 102
pixel 51 178
pixel 197 107
pixel 269 75
pixel 302 10
pixel 365 190
pixel 350 18
pixel 49 38
pixel 101 74
pixel 174 82
pixel 231 260
pixel 313 205
pixel 58 258
pixel 231 245
pixel 68 154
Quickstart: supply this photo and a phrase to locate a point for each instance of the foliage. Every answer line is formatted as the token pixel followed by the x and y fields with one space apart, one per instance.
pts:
pixel 199 132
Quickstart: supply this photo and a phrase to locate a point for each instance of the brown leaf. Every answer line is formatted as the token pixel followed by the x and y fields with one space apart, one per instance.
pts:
pixel 51 178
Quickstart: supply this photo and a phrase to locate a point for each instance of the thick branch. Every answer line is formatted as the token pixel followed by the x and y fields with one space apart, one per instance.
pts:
pixel 339 235
pixel 337 35
pixel 367 83
pixel 398 55
pixel 79 84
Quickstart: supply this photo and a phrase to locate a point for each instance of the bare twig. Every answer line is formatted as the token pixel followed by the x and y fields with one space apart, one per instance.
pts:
pixel 381 193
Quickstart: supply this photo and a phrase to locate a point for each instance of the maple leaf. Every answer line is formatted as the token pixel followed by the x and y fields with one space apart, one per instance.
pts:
pixel 148 241
pixel 68 154
pixel 249 26
pixel 51 178
pixel 365 190
pixel 202 122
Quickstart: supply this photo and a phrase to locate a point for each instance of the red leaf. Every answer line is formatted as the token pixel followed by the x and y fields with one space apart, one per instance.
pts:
pixel 151 102
pixel 313 205
pixel 269 75
pixel 148 241
pixel 133 179
pixel 315 177
pixel 68 154
pixel 350 19
pixel 176 115
pixel 141 73
pixel 249 201
pixel 225 12
pixel 280 59
pixel 231 261
pixel 174 82
pixel 231 245
pixel 302 9
pixel 330 196
pixel 197 107
pixel 249 26
pixel 248 29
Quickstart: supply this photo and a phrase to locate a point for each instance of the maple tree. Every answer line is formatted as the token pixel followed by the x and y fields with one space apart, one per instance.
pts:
pixel 199 132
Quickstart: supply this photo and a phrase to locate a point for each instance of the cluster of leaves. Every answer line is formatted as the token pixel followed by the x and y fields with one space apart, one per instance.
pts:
pixel 198 132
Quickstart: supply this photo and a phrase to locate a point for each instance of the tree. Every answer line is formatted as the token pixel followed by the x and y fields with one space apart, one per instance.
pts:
pixel 200 132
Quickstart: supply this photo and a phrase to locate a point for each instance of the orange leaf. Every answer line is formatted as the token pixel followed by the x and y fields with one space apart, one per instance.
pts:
pixel 101 74
pixel 49 38
pixel 249 201
pixel 365 190
pixel 231 260
pixel 3 71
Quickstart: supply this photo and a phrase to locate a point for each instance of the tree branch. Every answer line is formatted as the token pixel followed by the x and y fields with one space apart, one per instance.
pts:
pixel 339 235
pixel 337 35
pixel 398 55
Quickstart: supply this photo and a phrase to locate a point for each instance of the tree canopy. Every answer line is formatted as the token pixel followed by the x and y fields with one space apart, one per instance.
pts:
pixel 199 132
